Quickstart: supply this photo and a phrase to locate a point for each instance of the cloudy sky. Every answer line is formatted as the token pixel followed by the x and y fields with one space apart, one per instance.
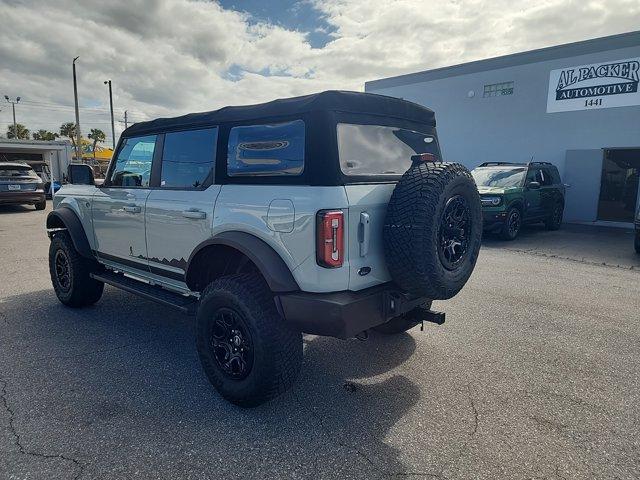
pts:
pixel 176 56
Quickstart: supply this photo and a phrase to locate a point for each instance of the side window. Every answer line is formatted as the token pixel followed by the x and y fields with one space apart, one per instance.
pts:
pixel 266 150
pixel 533 175
pixel 188 158
pixel 555 176
pixel 133 164
pixel 546 178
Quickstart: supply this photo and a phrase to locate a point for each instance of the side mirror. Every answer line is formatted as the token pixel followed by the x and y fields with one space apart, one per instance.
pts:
pixel 80 174
pixel 533 185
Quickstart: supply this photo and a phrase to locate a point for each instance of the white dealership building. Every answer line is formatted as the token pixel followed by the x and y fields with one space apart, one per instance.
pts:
pixel 575 105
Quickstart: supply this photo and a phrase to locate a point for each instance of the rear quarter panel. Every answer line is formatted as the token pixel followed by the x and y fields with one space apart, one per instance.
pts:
pixel 284 216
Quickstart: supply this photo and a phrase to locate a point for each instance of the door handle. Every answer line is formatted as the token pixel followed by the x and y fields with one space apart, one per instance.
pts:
pixel 364 233
pixel 195 214
pixel 132 209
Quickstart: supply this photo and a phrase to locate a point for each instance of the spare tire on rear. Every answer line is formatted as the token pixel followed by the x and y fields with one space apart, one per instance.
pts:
pixel 433 229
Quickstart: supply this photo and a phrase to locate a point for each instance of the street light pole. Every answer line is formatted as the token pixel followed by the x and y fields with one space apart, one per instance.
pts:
pixel 113 128
pixel 75 95
pixel 126 125
pixel 13 106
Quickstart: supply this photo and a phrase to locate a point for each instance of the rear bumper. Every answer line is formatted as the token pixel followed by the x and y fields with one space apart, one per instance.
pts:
pixel 344 314
pixel 16 198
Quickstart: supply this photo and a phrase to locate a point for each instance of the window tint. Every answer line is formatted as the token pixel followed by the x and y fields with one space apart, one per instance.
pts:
pixel 380 150
pixel 266 150
pixel 555 176
pixel 188 158
pixel 546 177
pixel 16 171
pixel 133 165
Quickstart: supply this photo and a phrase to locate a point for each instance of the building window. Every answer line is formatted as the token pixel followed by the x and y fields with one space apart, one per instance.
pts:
pixel 498 89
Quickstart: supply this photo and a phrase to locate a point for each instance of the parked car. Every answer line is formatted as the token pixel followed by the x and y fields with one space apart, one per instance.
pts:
pixel 513 194
pixel 328 214
pixel 20 185
pixel 637 238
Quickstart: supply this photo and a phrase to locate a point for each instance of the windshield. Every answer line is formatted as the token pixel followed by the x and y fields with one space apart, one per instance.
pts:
pixel 499 177
pixel 16 171
pixel 380 150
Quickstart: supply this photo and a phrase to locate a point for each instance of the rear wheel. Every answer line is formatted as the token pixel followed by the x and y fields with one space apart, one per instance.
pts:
pixel 41 205
pixel 512 224
pixel 403 322
pixel 637 241
pixel 246 350
pixel 71 273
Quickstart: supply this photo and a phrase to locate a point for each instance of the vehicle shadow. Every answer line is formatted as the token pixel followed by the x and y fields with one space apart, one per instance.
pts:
pixel 11 209
pixel 124 376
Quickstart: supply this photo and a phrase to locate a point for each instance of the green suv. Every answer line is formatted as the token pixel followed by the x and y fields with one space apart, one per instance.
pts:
pixel 516 193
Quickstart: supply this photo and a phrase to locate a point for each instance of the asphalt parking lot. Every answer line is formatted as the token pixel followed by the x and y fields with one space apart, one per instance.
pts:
pixel 534 375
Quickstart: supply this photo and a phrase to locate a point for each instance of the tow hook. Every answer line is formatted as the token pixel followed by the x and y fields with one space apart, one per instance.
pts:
pixel 433 317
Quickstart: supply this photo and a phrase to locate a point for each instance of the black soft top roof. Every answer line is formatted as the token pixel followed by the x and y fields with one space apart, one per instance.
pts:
pixel 331 100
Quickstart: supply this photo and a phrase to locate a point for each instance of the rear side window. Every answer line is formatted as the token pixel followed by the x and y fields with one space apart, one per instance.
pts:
pixel 380 150
pixel 188 158
pixel 133 165
pixel 266 150
pixel 555 176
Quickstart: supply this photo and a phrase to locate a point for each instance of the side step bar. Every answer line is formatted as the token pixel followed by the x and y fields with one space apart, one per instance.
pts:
pixel 183 303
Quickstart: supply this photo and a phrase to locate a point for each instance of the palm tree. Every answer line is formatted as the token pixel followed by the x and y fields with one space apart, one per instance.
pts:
pixel 23 132
pixel 44 135
pixel 96 135
pixel 69 130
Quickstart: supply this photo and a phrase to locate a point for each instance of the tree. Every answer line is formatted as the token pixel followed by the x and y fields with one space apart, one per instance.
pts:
pixel 69 130
pixel 44 135
pixel 96 135
pixel 23 132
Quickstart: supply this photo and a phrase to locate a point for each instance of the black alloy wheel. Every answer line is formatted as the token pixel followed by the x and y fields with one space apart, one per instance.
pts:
pixel 454 232
pixel 62 270
pixel 231 344
pixel 512 224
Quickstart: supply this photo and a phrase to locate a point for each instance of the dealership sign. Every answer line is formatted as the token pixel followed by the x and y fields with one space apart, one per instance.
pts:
pixel 599 85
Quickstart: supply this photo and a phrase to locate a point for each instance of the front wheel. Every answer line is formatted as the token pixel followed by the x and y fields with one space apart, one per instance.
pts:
pixel 71 273
pixel 246 350
pixel 554 221
pixel 41 205
pixel 637 241
pixel 512 224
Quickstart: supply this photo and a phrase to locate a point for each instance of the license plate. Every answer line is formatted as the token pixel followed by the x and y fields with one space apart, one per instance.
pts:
pixel 14 187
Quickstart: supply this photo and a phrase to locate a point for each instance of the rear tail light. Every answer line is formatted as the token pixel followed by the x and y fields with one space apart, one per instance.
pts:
pixel 423 157
pixel 330 238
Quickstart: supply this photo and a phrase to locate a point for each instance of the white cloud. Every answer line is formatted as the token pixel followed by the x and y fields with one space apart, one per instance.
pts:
pixel 172 57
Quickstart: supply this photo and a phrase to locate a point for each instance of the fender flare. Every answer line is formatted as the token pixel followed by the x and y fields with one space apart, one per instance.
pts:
pixel 269 263
pixel 72 223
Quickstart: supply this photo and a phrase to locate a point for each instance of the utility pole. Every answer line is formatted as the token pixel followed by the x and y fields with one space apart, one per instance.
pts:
pixel 126 125
pixel 75 95
pixel 13 105
pixel 113 128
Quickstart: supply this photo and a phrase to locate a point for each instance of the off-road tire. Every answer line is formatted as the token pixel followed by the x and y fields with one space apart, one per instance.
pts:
pixel 41 205
pixel 507 232
pixel 414 224
pixel 403 322
pixel 277 349
pixel 82 290
pixel 554 221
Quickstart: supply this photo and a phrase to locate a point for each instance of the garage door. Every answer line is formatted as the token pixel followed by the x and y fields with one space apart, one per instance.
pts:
pixel 582 172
